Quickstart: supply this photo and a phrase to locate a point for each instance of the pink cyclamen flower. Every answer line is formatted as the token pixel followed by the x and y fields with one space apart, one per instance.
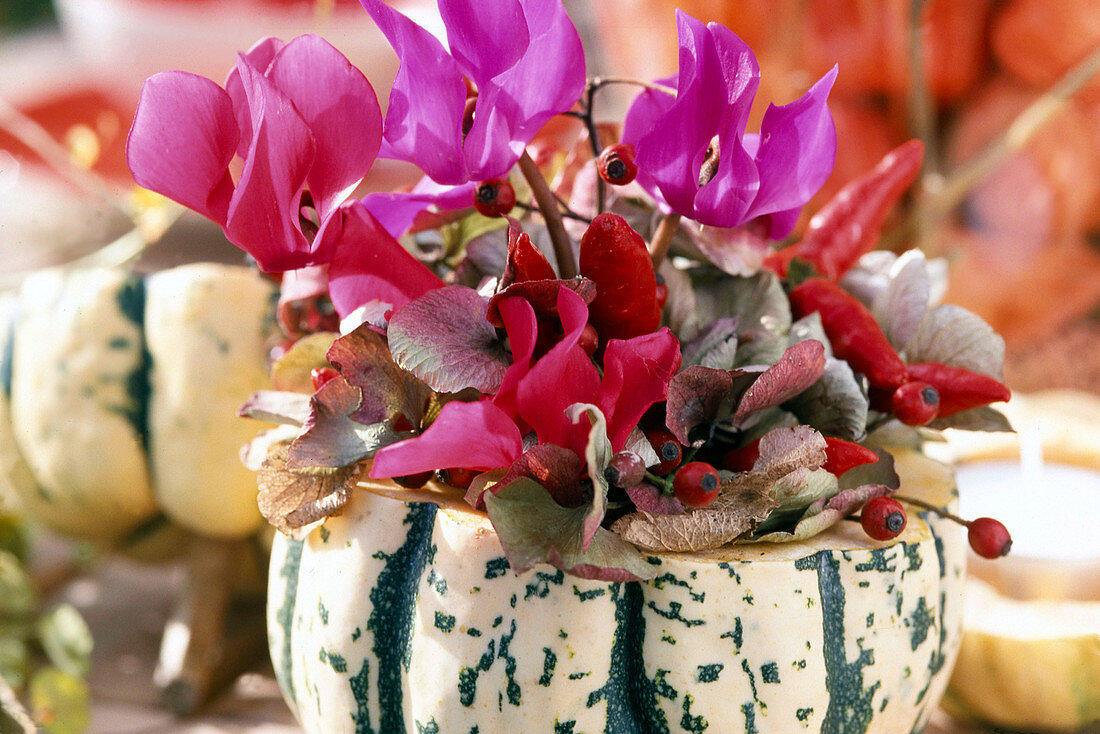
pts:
pixel 525 59
pixel 536 395
pixel 300 117
pixel 694 155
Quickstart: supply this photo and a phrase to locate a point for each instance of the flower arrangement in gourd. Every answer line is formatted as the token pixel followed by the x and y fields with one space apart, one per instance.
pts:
pixel 617 361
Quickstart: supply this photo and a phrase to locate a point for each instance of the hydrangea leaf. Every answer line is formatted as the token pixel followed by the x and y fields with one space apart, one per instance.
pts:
pixel 715 347
pixel 824 514
pixel 597 455
pixel 534 529
pixel 291 371
pixel 797 491
pixel 809 327
pixel 291 501
pixel 66 639
pixel 881 472
pixel 703 395
pixel 273 406
pixel 835 405
pixel 901 305
pixel 800 366
pixel 331 438
pixel 364 359
pixel 743 502
pixel 651 500
pixel 444 338
pixel 984 418
pixel 557 469
pixel 956 337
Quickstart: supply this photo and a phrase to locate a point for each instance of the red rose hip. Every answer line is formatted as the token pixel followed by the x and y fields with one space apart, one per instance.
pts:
pixel 988 537
pixel 696 484
pixel 616 164
pixel 883 518
pixel 495 197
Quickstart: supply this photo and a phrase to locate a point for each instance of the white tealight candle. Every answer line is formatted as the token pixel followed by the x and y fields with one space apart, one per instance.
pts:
pixel 1052 510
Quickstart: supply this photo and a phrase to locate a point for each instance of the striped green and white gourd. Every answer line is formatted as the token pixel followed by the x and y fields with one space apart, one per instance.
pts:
pixel 95 451
pixel 77 401
pixel 406 618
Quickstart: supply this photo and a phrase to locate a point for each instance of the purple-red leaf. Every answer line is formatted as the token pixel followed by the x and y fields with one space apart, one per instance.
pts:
pixel 444 339
pixel 387 390
pixel 331 438
pixel 799 367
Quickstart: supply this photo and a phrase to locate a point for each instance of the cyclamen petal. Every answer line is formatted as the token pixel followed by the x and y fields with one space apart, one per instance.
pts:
pixel 182 140
pixel 340 108
pixel 635 377
pixel 427 101
pixel 525 59
pixel 446 443
pixel 366 263
pixel 717 81
pixel 258 57
pixel 263 215
pixel 398 211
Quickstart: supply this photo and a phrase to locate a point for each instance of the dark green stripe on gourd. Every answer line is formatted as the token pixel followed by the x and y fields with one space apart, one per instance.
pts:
pixel 284 617
pixel 131 304
pixel 393 605
pixel 850 708
pixel 630 695
pixel 7 350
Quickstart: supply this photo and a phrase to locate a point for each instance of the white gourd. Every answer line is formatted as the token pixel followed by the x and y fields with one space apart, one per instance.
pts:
pixel 208 331
pixel 394 618
pixel 76 402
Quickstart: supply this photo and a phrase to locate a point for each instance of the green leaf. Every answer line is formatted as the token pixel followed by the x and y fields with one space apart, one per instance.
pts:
pixel 799 270
pixel 795 492
pixel 14 660
pixel 534 529
pixel 809 327
pixel 716 347
pixel 458 234
pixel 835 405
pixel 66 639
pixel 17 597
pixel 60 703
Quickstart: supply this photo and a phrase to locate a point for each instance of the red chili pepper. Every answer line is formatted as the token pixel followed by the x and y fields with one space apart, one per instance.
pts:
pixel 855 335
pixel 849 225
pixel 841 455
pixel 615 258
pixel 959 388
pixel 743 458
pixel 525 261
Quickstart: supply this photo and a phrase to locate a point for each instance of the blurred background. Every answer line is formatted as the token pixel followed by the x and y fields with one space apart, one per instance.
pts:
pixel 1004 93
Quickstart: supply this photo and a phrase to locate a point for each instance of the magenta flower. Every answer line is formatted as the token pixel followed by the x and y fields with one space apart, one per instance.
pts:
pixel 524 57
pixel 301 118
pixel 536 396
pixel 694 155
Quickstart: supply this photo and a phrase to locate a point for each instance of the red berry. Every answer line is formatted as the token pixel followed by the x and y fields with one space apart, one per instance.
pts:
pixel 668 449
pixel 625 470
pixel 988 537
pixel 589 340
pixel 616 164
pixel 414 481
pixel 916 403
pixel 460 478
pixel 742 459
pixel 696 484
pixel 883 518
pixel 495 197
pixel 321 375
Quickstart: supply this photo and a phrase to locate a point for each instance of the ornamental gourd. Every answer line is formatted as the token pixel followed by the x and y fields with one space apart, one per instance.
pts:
pixel 120 395
pixel 399 617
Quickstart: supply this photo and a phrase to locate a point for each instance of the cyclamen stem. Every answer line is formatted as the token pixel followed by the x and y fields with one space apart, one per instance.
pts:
pixel 548 206
pixel 662 238
pixel 929 506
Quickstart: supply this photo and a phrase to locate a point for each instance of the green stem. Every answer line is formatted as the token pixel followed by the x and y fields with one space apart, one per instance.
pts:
pixel 548 206
pixel 661 483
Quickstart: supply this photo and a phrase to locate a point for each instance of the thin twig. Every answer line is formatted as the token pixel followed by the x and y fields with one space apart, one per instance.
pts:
pixel 929 506
pixel 35 137
pixel 565 211
pixel 938 204
pixel 662 238
pixel 922 116
pixel 548 206
pixel 594 140
pixel 603 81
